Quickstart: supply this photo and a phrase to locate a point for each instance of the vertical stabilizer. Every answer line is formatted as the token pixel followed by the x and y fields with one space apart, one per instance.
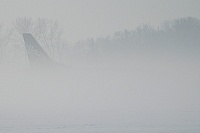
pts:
pixel 36 54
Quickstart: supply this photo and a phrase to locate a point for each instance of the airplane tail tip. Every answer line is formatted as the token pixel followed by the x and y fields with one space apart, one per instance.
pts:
pixel 36 54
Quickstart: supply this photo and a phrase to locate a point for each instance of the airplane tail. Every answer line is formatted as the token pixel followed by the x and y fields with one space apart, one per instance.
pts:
pixel 36 54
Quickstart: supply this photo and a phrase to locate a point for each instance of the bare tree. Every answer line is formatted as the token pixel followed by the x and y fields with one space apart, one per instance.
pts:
pixel 5 38
pixel 24 25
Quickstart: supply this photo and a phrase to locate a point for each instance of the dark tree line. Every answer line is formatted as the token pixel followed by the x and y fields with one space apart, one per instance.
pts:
pixel 180 34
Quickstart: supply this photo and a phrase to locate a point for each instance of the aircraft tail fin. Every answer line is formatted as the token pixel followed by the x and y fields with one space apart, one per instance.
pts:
pixel 36 54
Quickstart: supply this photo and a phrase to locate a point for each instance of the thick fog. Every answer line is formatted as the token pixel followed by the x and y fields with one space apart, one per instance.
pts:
pixel 96 18
pixel 140 76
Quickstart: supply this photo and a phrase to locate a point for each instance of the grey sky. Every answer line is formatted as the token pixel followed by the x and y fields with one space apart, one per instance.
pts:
pixel 95 18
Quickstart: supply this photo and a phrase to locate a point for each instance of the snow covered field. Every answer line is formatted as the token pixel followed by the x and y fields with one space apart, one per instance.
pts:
pixel 147 96
pixel 179 122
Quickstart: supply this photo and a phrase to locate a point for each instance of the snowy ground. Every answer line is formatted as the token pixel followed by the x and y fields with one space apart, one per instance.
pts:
pixel 179 122
pixel 146 96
